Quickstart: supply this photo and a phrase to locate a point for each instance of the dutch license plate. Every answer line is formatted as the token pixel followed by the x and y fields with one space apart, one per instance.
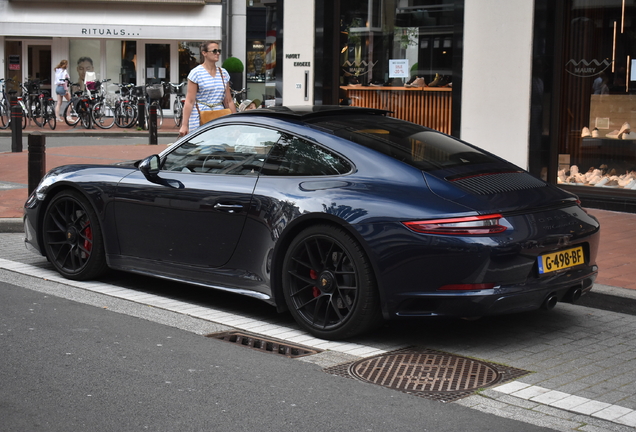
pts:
pixel 561 260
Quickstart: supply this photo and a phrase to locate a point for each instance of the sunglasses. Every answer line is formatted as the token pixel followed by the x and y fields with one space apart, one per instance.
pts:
pixel 215 51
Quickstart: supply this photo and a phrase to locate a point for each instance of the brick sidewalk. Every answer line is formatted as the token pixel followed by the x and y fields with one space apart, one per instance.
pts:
pixel 616 260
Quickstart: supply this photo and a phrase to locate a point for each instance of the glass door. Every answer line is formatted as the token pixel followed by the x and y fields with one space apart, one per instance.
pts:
pixel 158 67
pixel 39 64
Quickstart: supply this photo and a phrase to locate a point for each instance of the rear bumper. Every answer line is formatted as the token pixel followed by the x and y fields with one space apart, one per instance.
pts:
pixel 499 300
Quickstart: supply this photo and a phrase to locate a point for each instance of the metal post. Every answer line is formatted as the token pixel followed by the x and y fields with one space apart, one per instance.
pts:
pixel 36 159
pixel 141 113
pixel 16 128
pixel 152 124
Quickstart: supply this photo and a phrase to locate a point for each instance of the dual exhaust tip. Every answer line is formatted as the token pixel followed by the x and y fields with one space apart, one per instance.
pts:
pixel 571 296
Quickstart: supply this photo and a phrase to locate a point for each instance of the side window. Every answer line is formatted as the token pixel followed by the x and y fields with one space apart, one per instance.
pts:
pixel 293 156
pixel 232 149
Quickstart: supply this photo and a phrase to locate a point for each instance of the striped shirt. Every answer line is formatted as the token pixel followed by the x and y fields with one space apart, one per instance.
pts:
pixel 211 91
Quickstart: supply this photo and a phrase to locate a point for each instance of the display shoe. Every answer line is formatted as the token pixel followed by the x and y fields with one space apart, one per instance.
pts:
pixel 417 82
pixel 436 81
pixel 629 136
pixel 585 132
pixel 623 130
pixel 595 133
pixel 602 182
pixel 612 134
pixel 444 81
pixel 630 185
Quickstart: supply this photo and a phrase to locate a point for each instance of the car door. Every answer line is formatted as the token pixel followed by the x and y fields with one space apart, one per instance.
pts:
pixel 193 213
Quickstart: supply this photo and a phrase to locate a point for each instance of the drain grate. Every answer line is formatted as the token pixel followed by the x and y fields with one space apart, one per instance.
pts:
pixel 428 373
pixel 267 345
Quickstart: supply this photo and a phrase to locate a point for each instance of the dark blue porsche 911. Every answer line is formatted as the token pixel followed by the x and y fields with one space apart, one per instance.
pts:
pixel 343 216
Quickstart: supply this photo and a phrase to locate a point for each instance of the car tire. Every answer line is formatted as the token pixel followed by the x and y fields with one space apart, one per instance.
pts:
pixel 329 284
pixel 72 237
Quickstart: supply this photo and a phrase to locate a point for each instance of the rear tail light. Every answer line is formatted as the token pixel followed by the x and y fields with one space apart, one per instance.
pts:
pixel 470 225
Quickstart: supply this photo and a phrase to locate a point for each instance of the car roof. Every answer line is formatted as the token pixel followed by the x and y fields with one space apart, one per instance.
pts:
pixel 306 112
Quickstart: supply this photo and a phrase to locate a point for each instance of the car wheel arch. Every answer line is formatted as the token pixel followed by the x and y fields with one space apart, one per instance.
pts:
pixel 288 235
pixel 57 189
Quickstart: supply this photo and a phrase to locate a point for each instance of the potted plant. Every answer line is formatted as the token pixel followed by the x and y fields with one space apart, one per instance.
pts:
pixel 235 68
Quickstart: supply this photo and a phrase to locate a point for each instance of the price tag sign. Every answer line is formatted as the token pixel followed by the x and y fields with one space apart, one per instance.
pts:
pixel 399 68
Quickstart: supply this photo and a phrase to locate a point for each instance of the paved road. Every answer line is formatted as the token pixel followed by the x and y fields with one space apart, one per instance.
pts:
pixel 72 366
pixel 582 360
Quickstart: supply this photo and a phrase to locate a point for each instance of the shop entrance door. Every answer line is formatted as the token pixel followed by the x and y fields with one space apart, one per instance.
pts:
pixel 158 67
pixel 39 64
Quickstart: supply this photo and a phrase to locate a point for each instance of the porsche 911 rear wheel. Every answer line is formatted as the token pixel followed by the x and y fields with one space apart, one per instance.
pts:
pixel 329 284
pixel 72 237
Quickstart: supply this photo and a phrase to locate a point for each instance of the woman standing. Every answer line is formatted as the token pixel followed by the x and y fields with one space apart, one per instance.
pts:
pixel 208 87
pixel 61 86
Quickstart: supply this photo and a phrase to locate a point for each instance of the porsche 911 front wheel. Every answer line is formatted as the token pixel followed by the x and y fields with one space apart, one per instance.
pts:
pixel 72 237
pixel 329 285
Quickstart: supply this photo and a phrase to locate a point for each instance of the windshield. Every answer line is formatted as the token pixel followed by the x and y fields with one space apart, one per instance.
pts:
pixel 407 142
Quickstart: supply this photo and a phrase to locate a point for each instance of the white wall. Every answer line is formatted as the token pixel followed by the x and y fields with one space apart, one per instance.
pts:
pixel 104 20
pixel 497 77
pixel 298 22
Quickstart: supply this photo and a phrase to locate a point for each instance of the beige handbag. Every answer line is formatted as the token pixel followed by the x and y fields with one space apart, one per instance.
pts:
pixel 208 116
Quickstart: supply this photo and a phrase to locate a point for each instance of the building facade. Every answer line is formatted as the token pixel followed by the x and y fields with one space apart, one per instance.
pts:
pixel 546 84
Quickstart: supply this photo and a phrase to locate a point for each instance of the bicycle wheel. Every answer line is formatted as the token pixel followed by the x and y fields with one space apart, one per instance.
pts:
pixel 37 112
pixel 84 111
pixel 49 114
pixel 71 117
pixel 125 115
pixel 103 115
pixel 177 110
pixel 25 116
pixel 5 116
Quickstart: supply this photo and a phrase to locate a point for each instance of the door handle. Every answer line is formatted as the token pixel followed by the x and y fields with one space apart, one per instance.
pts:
pixel 230 208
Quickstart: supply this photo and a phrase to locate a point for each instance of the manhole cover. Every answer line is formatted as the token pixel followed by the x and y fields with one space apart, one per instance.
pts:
pixel 428 373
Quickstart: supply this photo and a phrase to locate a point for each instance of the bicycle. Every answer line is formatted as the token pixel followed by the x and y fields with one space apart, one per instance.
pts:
pixel 46 110
pixel 102 107
pixel 42 106
pixel 125 109
pixel 154 93
pixel 78 109
pixel 179 100
pixel 235 93
pixel 5 106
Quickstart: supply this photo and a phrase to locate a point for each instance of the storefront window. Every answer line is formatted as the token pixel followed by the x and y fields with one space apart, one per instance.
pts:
pixel 398 55
pixel 84 57
pixel 598 97
pixel 261 47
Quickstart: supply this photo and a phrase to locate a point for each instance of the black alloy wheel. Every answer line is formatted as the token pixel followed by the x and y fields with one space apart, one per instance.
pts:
pixel 72 237
pixel 329 285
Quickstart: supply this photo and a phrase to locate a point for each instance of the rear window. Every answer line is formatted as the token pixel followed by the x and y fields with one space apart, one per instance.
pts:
pixel 407 142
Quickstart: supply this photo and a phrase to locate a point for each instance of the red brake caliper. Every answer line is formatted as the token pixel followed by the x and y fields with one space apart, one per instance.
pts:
pixel 88 244
pixel 314 276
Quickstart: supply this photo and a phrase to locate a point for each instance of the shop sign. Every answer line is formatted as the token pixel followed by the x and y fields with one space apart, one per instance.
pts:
pixel 584 68
pixel 14 62
pixel 399 68
pixel 85 31
pixel 356 68
pixel 297 63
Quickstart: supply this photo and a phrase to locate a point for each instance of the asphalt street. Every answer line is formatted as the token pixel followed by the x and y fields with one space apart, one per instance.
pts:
pixel 72 366
pixel 572 354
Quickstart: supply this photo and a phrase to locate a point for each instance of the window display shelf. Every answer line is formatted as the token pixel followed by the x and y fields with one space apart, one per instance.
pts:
pixel 427 106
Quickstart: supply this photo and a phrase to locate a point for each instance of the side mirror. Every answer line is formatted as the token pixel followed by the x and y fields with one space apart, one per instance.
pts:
pixel 149 167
